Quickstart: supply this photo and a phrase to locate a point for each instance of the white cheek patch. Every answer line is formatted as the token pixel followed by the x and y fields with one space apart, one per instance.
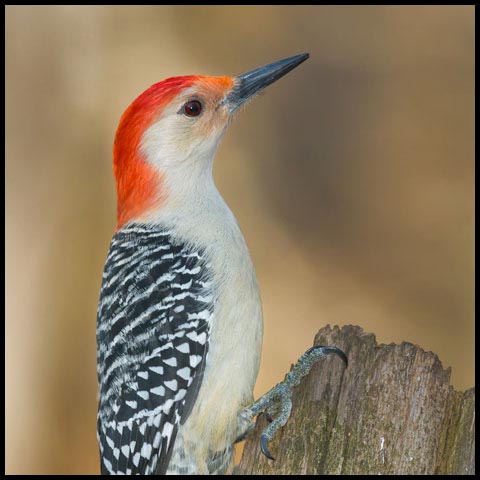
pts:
pixel 182 149
pixel 165 140
pixel 175 138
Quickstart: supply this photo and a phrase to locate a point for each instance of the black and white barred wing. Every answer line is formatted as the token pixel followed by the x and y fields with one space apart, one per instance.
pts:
pixel 152 339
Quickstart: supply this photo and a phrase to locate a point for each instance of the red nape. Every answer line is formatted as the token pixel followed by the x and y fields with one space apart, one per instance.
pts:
pixel 138 183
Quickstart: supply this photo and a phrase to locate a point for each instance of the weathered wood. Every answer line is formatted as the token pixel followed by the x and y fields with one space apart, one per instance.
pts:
pixel 392 411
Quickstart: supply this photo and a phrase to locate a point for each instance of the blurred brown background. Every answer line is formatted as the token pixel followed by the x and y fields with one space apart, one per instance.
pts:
pixel 352 179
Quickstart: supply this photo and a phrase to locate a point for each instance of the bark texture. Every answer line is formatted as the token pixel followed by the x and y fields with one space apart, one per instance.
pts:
pixel 392 411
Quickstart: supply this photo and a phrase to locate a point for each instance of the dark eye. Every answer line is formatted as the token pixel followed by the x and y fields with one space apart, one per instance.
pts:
pixel 193 108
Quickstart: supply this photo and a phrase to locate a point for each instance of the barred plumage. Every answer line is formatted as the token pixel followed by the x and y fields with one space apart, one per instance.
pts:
pixel 152 335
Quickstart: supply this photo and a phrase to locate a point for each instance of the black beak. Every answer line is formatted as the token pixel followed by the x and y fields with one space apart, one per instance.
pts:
pixel 252 82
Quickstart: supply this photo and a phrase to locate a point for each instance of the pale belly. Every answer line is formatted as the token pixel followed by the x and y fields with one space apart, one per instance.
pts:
pixel 231 369
pixel 236 333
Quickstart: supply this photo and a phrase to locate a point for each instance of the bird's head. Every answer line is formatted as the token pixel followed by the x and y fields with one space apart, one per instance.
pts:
pixel 168 136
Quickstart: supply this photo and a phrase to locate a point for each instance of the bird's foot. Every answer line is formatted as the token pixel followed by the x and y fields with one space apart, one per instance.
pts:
pixel 277 403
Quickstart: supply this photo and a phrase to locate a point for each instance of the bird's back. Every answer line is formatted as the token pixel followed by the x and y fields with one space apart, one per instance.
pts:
pixel 163 303
pixel 152 335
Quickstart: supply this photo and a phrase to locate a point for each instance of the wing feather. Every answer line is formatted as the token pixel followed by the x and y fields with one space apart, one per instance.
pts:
pixel 152 337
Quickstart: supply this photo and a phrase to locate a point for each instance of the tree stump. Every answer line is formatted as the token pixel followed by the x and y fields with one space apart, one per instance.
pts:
pixel 392 411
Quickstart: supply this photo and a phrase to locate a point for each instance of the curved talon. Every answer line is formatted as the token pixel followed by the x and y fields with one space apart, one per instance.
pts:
pixel 339 352
pixel 279 399
pixel 264 448
pixel 328 350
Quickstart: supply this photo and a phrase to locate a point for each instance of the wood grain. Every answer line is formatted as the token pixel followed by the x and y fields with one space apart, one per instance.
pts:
pixel 392 411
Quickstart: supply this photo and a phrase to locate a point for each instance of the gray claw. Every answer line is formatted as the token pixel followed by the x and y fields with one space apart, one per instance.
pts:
pixel 264 448
pixel 327 350
pixel 282 394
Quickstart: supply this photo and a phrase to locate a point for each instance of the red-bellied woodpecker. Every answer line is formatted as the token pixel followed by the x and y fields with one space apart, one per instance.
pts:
pixel 179 326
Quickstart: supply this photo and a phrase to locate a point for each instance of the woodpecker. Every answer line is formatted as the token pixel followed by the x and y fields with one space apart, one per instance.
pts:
pixel 179 322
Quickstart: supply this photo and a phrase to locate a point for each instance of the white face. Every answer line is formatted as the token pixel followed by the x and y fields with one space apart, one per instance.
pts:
pixel 182 142
pixel 189 129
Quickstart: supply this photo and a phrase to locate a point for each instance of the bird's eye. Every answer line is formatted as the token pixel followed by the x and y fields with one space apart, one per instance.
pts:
pixel 193 108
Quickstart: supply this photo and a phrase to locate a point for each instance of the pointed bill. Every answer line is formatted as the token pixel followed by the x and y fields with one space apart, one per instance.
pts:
pixel 252 82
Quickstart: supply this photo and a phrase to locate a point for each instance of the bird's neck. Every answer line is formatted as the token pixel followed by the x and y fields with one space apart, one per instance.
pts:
pixel 191 197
